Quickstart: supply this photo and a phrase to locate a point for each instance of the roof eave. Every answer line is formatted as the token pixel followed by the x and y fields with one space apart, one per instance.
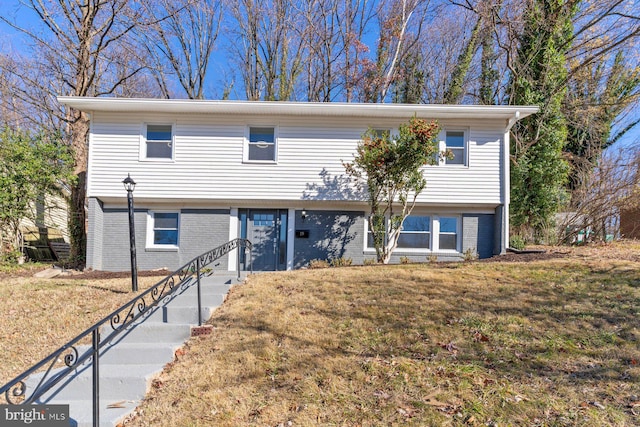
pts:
pixel 318 109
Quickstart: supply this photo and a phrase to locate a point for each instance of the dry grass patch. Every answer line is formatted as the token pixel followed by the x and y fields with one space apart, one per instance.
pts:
pixel 544 343
pixel 40 315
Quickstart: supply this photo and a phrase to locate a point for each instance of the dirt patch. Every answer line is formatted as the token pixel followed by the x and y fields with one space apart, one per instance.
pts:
pixel 83 275
pixel 99 275
pixel 527 256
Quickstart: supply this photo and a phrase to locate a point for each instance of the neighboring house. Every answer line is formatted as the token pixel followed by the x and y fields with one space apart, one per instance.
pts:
pixel 211 171
pixel 45 224
pixel 49 212
pixel 630 222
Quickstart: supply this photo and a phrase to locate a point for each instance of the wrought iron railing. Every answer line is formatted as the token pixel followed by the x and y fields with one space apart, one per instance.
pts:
pixel 62 362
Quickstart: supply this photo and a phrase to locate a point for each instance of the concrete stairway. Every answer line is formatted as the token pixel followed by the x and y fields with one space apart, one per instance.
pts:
pixel 135 357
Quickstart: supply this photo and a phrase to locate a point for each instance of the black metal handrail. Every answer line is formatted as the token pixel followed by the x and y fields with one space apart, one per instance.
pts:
pixel 15 391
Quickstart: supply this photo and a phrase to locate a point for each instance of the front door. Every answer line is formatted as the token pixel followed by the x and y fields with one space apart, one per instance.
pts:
pixel 267 231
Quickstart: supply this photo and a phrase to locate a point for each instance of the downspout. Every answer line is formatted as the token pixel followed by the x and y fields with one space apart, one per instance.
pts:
pixel 506 180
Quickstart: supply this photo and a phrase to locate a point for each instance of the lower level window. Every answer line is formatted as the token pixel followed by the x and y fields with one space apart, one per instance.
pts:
pixel 163 229
pixel 448 233
pixel 425 233
pixel 416 233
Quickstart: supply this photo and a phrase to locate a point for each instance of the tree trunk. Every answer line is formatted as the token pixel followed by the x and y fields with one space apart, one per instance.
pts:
pixel 77 220
pixel 79 130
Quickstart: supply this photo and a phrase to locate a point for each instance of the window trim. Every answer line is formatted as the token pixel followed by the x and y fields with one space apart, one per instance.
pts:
pixel 246 143
pixel 150 245
pixel 143 143
pixel 442 146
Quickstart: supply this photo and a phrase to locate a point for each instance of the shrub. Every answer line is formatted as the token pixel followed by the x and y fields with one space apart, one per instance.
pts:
pixel 405 260
pixel 432 258
pixel 517 242
pixel 470 254
pixel 370 261
pixel 341 262
pixel 318 263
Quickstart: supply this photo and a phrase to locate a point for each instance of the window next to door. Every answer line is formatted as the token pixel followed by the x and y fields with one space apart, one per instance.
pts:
pixel 163 230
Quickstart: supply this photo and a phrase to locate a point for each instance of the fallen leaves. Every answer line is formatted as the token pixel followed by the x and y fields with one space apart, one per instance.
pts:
pixel 480 337
pixel 450 347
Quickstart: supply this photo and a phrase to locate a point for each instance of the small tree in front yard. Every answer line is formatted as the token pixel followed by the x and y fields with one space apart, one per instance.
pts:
pixel 392 170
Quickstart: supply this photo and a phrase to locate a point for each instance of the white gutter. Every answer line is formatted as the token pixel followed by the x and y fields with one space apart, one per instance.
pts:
pixel 317 109
pixel 512 121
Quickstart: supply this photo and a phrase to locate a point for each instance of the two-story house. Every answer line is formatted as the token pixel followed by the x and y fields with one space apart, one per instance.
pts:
pixel 211 171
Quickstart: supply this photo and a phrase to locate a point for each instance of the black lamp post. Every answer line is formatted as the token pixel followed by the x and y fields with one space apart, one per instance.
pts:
pixel 130 185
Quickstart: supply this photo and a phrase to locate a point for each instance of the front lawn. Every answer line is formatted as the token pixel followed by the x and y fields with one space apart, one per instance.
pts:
pixel 549 343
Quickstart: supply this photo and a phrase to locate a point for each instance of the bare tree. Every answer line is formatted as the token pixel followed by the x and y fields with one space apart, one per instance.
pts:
pixel 179 41
pixel 74 52
pixel 268 51
pixel 593 214
pixel 334 51
pixel 400 24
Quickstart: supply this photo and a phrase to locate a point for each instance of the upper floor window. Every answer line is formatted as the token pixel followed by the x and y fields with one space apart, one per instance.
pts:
pixel 455 142
pixel 382 133
pixel 261 145
pixel 158 142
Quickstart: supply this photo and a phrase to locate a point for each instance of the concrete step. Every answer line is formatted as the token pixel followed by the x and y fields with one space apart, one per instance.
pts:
pixel 213 299
pixel 153 332
pixel 207 289
pixel 181 314
pixel 112 412
pixel 117 382
pixel 135 353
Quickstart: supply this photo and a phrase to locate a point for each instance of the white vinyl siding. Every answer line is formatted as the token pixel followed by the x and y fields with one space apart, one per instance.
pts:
pixel 209 152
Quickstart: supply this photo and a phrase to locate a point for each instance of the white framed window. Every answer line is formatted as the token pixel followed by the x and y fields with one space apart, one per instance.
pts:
pixel 163 230
pixel 381 133
pixel 455 140
pixel 448 232
pixel 157 142
pixel 425 233
pixel 261 144
pixel 415 233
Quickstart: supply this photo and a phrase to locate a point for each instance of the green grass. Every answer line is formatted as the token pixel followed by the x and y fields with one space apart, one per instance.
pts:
pixel 549 343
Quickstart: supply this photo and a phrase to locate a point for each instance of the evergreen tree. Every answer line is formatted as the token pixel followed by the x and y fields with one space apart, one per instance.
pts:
pixel 538 169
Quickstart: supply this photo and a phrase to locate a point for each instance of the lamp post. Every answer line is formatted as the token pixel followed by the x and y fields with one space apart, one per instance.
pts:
pixel 130 185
